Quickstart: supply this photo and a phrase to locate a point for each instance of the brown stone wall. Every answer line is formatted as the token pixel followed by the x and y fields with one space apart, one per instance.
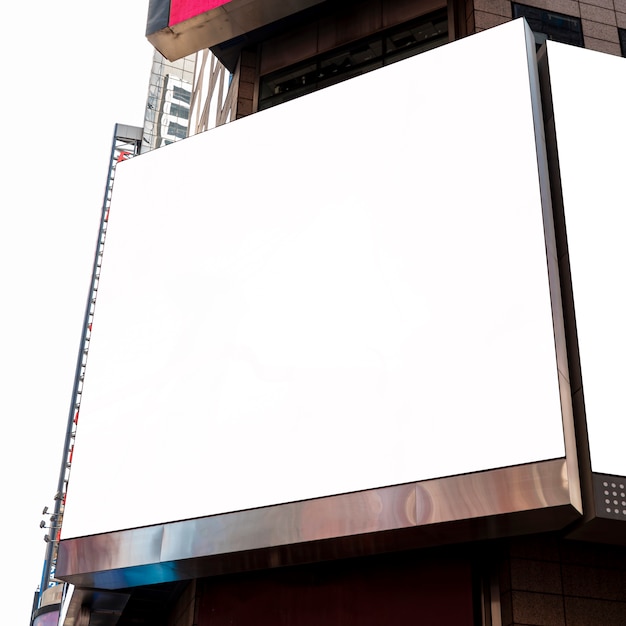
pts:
pixel 620 13
pixel 488 13
pixel 248 86
pixel 552 582
pixel 600 18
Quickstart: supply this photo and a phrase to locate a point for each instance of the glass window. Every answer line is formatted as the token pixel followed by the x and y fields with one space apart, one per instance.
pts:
pixel 182 94
pixel 179 110
pixel 551 25
pixel 622 40
pixel 177 130
pixel 356 58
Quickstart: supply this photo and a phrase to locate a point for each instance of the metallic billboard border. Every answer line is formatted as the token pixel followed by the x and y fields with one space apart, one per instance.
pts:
pixel 496 503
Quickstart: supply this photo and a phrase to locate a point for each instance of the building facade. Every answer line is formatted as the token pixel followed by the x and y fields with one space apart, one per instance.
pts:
pixel 368 389
pixel 169 100
pixel 322 31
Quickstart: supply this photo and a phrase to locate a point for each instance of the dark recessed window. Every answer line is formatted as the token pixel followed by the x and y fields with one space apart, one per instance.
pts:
pixel 551 25
pixel 622 40
pixel 356 58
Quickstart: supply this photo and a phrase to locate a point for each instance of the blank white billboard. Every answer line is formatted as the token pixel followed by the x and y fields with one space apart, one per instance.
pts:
pixel 344 292
pixel 589 99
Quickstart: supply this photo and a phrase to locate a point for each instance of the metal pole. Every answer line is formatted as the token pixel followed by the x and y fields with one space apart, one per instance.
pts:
pixel 81 362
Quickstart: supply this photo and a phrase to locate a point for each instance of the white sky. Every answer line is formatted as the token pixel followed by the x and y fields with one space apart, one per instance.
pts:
pixel 71 70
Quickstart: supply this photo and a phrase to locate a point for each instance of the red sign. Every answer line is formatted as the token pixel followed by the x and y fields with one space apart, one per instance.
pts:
pixel 181 10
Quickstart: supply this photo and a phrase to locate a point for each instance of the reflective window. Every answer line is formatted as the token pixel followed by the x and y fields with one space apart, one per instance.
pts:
pixel 548 25
pixel 182 94
pixel 179 110
pixel 622 40
pixel 356 58
pixel 169 98
pixel 177 130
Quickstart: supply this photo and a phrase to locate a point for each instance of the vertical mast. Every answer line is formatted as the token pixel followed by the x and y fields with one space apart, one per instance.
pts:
pixel 126 144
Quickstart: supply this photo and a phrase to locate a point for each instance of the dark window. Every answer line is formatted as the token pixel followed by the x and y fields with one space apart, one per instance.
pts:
pixel 177 130
pixel 622 40
pixel 357 58
pixel 178 110
pixel 182 94
pixel 550 25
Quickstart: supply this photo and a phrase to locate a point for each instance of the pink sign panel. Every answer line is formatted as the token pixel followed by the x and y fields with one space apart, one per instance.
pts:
pixel 181 10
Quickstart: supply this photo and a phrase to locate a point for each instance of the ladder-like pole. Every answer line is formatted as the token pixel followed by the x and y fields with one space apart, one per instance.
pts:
pixel 126 144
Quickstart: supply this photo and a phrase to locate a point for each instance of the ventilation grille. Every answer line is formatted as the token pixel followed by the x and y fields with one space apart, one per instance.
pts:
pixel 610 495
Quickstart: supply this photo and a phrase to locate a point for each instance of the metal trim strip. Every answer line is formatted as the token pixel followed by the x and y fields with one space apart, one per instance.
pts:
pixel 495 503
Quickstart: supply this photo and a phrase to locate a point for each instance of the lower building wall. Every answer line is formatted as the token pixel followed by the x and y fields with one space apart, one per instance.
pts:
pixel 397 589
pixel 184 611
pixel 545 581
pixel 540 581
